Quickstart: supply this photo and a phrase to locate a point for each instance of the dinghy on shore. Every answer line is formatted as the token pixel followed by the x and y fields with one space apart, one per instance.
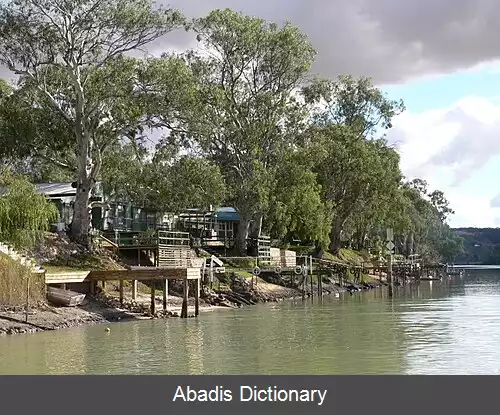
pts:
pixel 65 298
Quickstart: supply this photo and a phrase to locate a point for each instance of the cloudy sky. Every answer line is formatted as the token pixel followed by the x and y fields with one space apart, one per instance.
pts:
pixel 439 56
pixel 442 57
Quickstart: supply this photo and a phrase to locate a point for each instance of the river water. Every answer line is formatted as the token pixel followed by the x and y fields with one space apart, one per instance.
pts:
pixel 450 327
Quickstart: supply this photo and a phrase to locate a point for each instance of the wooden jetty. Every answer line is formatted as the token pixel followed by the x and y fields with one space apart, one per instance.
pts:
pixel 154 275
pixel 173 259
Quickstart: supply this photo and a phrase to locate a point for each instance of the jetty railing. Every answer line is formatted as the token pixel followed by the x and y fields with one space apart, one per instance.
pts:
pixel 131 239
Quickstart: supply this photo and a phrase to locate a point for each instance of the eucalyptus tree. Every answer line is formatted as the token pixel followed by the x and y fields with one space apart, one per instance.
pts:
pixel 243 111
pixel 374 208
pixel 349 114
pixel 423 223
pixel 76 77
pixel 162 178
pixel 353 102
pixel 296 209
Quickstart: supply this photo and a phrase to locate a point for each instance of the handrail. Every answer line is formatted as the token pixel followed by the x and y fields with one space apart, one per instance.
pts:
pixel 113 244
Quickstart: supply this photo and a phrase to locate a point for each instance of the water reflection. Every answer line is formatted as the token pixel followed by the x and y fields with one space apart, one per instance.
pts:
pixel 449 327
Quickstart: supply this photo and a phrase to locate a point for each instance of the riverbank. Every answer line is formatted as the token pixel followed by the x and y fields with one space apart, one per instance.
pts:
pixel 92 311
pixel 56 253
pixel 105 308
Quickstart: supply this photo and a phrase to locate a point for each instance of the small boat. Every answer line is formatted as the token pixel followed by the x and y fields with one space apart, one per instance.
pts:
pixel 65 298
pixel 430 278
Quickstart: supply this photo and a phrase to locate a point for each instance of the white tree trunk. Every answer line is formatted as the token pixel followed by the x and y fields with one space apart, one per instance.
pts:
pixel 80 226
pixel 243 232
pixel 335 240
pixel 256 228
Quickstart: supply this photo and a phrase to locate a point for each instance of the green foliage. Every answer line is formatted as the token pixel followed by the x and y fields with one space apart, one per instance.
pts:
pixel 123 174
pixel 24 212
pixel 79 93
pixel 298 159
pixel 242 112
pixel 194 182
pixel 352 102
pixel 296 208
pixel 421 218
pixel 357 172
pixel 480 246
pixel 357 176
pixel 166 181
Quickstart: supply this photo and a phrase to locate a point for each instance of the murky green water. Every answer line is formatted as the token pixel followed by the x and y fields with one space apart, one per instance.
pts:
pixel 435 328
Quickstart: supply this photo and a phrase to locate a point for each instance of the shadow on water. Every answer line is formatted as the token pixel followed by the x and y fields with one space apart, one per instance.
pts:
pixel 445 327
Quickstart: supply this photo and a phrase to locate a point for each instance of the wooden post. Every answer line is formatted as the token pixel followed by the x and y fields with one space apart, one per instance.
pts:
pixel 389 275
pixel 203 277
pixel 27 296
pixel 134 289
pixel 304 281
pixel 153 300
pixel 311 275
pixel 184 311
pixel 211 275
pixel 318 281
pixel 319 277
pixel 121 292
pixel 165 294
pixel 197 298
pixel 92 287
pixel 198 287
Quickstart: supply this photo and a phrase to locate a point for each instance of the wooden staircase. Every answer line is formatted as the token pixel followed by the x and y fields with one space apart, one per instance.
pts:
pixel 174 251
pixel 176 257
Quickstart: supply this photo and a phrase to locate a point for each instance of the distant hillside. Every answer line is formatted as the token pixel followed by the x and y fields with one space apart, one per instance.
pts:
pixel 481 246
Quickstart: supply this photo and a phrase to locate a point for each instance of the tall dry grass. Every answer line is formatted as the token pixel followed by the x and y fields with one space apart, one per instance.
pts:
pixel 13 284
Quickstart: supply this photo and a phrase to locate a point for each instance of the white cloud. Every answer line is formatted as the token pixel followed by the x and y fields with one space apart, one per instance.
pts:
pixel 454 150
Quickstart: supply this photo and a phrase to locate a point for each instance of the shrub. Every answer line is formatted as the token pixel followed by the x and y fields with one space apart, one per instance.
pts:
pixel 24 212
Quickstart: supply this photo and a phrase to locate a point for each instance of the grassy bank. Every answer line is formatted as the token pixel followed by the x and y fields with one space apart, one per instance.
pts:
pixel 14 280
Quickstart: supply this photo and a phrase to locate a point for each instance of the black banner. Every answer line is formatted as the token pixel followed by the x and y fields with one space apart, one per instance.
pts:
pixel 121 395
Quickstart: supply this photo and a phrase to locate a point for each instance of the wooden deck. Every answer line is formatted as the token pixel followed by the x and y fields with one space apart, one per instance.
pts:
pixel 68 277
pixel 135 274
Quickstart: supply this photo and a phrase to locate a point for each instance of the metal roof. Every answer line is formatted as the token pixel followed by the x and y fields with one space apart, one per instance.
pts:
pixel 50 189
pixel 225 214
pixel 229 214
pixel 58 188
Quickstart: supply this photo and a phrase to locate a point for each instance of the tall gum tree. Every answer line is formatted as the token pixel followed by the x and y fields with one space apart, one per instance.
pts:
pixel 349 113
pixel 373 208
pixel 70 56
pixel 243 109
